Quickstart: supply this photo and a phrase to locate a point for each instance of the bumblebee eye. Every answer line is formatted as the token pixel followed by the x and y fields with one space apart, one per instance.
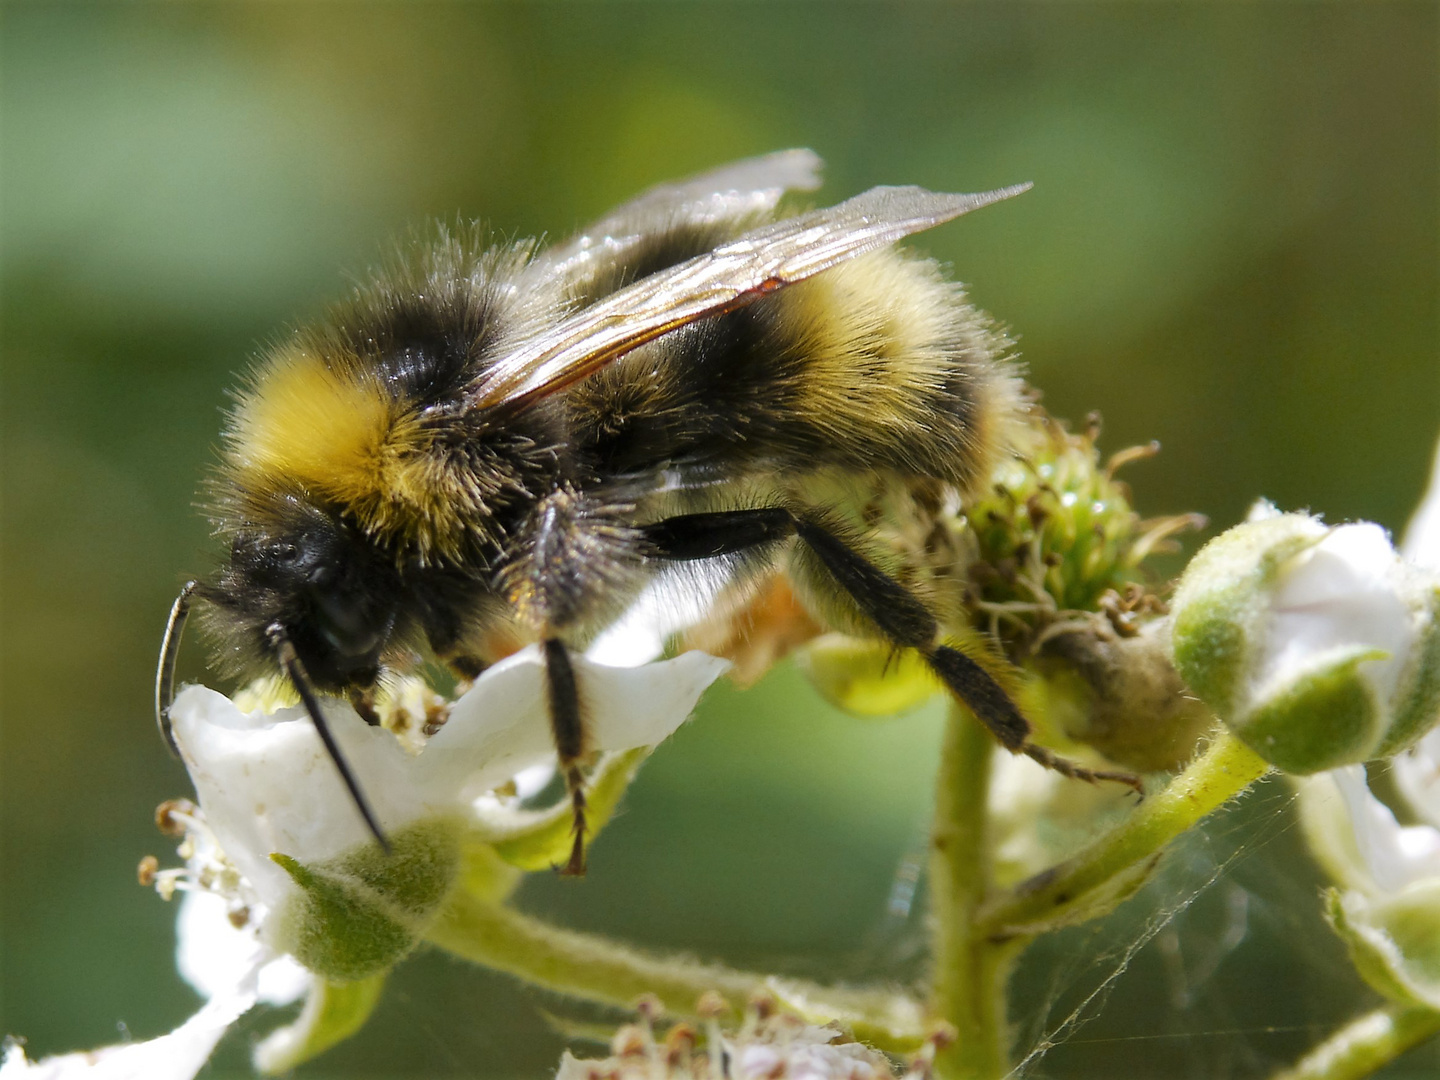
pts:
pixel 350 625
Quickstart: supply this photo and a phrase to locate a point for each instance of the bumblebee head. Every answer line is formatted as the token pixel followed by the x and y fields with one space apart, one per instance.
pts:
pixel 302 593
pixel 302 574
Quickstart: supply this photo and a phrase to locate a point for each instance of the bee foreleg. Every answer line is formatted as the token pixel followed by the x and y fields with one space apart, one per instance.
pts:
pixel 894 610
pixel 568 727
pixel 363 702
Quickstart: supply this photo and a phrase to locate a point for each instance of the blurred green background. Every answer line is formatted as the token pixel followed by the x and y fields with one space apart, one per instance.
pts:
pixel 1232 247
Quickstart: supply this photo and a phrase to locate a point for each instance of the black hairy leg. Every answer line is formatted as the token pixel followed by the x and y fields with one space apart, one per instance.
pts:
pixel 894 609
pixel 568 727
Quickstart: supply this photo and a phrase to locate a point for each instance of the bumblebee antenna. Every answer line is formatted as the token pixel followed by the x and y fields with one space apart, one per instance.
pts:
pixel 165 674
pixel 290 662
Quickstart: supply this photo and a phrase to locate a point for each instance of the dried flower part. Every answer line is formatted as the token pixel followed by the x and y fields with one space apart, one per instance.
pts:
pixel 1120 693
pixel 770 1044
pixel 754 629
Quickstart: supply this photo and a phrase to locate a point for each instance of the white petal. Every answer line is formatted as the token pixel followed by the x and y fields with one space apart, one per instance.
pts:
pixel 213 955
pixel 1347 590
pixel 530 782
pixel 266 784
pixel 176 1056
pixel 1417 774
pixel 1422 536
pixel 1396 855
pixel 506 729
pixel 673 601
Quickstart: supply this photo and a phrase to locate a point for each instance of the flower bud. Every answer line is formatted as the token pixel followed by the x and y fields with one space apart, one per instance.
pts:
pixel 1316 645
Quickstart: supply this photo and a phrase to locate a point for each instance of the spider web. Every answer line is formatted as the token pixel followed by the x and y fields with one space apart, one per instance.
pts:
pixel 1220 967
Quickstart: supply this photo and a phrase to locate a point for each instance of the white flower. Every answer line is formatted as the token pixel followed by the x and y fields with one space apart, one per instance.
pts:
pixel 1317 645
pixel 212 953
pixel 218 953
pixel 1387 907
pixel 176 1056
pixel 266 784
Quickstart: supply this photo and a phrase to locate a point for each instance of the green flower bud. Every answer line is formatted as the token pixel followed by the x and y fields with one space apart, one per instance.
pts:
pixel 1318 646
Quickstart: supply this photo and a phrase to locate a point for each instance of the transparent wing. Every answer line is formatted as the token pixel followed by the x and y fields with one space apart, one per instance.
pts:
pixel 740 188
pixel 732 275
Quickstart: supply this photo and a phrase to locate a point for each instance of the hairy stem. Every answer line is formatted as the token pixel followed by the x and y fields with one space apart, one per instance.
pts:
pixel 596 969
pixel 1224 770
pixel 970 973
pixel 1364 1045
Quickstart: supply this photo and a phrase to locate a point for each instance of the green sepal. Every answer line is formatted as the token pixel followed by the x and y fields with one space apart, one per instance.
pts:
pixel 356 915
pixel 1394 942
pixel 1327 718
pixel 1219 606
pixel 332 1013
pixel 541 839
pixel 868 678
pixel 485 875
pixel 1417 708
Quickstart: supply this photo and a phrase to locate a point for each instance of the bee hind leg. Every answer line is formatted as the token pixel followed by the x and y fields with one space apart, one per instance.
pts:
pixel 895 611
pixel 568 727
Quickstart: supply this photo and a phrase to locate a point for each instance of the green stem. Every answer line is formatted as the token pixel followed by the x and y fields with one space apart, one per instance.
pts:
pixel 1364 1045
pixel 596 969
pixel 1118 859
pixel 971 971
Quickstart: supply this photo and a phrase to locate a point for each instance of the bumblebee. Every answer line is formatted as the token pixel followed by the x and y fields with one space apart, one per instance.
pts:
pixel 515 439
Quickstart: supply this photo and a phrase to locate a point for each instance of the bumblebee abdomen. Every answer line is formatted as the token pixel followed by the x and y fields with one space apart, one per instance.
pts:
pixel 876 364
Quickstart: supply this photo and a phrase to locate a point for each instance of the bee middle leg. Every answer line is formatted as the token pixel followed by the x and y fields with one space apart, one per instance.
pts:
pixel 894 610
pixel 568 728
